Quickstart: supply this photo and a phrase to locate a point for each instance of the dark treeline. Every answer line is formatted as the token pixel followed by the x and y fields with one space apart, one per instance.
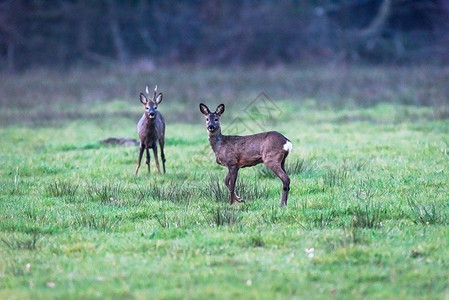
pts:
pixel 62 33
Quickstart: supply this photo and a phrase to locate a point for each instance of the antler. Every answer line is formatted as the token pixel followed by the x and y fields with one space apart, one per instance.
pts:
pixel 148 91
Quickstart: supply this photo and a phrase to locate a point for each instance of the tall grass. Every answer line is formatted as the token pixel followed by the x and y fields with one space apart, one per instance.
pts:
pixel 63 189
pixel 247 189
pixel 24 242
pixel 294 166
pixel 429 212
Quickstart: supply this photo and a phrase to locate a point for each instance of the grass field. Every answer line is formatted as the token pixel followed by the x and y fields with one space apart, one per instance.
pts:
pixel 368 211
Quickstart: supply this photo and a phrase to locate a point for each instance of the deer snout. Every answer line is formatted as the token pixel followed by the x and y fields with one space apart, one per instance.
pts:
pixel 152 114
pixel 211 128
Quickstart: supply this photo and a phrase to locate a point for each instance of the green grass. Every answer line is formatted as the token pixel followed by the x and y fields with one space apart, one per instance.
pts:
pixel 369 193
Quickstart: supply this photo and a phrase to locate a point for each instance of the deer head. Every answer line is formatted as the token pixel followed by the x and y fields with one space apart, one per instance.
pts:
pixel 151 104
pixel 212 118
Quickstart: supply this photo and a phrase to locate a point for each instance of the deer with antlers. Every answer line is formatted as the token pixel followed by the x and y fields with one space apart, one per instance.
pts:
pixel 151 129
pixel 235 152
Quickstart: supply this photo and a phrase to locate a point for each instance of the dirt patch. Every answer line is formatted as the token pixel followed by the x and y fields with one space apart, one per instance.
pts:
pixel 119 141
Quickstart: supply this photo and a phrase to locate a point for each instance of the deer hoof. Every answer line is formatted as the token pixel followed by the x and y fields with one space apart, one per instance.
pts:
pixel 239 199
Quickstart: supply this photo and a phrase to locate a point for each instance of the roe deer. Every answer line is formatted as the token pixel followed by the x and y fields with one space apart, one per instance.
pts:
pixel 151 129
pixel 234 152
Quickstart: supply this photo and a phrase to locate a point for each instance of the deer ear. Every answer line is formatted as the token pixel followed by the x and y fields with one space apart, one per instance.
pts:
pixel 204 109
pixel 158 99
pixel 143 99
pixel 220 109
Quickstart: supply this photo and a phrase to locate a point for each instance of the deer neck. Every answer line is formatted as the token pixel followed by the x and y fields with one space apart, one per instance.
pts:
pixel 215 139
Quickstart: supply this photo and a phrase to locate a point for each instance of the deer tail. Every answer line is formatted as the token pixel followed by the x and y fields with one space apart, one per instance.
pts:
pixel 288 146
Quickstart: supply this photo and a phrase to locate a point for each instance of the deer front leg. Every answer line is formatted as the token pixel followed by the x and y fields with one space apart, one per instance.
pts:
pixel 139 159
pixel 156 158
pixel 230 181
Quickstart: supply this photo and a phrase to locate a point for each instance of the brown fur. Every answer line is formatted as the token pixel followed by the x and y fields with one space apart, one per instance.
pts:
pixel 151 130
pixel 235 152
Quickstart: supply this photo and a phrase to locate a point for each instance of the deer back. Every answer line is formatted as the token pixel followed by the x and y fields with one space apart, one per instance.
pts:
pixel 249 150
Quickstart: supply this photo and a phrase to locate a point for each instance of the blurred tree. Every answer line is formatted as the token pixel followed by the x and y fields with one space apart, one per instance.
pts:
pixel 65 32
pixel 121 53
pixel 12 33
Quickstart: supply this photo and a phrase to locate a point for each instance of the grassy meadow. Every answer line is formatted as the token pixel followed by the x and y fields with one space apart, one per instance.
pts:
pixel 368 209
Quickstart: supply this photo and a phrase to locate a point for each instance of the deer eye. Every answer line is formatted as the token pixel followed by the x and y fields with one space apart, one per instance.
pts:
pixel 216 119
pixel 207 119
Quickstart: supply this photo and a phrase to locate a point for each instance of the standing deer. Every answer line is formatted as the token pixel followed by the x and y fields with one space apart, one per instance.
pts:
pixel 235 152
pixel 151 129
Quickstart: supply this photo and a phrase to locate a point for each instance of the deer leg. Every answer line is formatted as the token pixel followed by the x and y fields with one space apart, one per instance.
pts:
pixel 148 159
pixel 139 159
pixel 230 181
pixel 226 181
pixel 156 158
pixel 279 170
pixel 161 143
pixel 285 183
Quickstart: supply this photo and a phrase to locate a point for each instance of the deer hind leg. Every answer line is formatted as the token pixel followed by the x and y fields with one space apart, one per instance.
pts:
pixel 139 160
pixel 230 180
pixel 279 170
pixel 161 143
pixel 156 157
pixel 148 159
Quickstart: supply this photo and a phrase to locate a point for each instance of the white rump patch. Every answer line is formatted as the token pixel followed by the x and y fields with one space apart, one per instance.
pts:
pixel 288 146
